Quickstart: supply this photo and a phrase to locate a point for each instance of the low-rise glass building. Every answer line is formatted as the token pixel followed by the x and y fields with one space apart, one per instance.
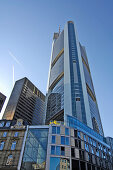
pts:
pixel 60 147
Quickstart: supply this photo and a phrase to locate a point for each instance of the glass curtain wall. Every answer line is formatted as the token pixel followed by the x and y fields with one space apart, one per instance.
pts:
pixel 35 149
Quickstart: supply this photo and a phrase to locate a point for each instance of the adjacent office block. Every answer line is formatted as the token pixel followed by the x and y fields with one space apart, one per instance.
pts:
pixel 70 87
pixel 2 100
pixel 26 102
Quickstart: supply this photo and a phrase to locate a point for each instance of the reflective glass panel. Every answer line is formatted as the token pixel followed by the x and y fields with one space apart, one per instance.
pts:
pixel 63 140
pixel 4 134
pixel 67 140
pixel 57 150
pixel 2 145
pixel 53 129
pixel 53 150
pixel 66 131
pixel 1 124
pixel 59 163
pixel 35 149
pixel 58 130
pixel 13 145
pixel 16 134
pixel 7 124
pixel 53 139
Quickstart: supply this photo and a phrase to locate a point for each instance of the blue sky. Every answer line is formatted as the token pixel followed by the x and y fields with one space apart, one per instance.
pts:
pixel 26 32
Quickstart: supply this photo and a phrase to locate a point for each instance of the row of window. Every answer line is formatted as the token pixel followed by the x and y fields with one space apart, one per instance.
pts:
pixel 12 146
pixel 64 140
pixel 56 130
pixel 91 141
pixel 57 150
pixel 6 125
pixel 15 134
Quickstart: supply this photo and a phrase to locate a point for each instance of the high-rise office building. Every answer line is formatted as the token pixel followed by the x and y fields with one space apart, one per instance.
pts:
pixel 70 87
pixel 2 100
pixel 26 102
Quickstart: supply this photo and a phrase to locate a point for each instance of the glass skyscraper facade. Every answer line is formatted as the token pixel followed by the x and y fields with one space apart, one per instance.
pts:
pixel 26 102
pixel 70 87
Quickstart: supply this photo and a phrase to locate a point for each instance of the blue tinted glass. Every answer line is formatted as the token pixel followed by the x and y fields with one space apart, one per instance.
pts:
pixel 57 150
pixel 7 124
pixel 13 145
pixel 2 145
pixel 4 134
pixel 84 137
pixel 79 135
pixel 53 139
pixel 54 163
pixel 62 140
pixel 53 150
pixel 58 130
pixel 16 134
pixel 92 150
pixel 1 124
pixel 67 140
pixel 86 147
pixel 54 129
pixel 66 131
pixel 35 148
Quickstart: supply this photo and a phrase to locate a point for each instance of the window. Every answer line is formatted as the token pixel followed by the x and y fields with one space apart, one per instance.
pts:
pixel 2 145
pixel 53 139
pixel 13 145
pixel 8 124
pixel 53 150
pixel 86 147
pixel 57 150
pixel 63 140
pixel 16 134
pixel 77 98
pixel 104 149
pixel 79 135
pixel 81 153
pixel 67 140
pixel 53 129
pixel 9 160
pixel 72 152
pixel 66 131
pixel 92 151
pixel 94 143
pixel 79 142
pixel 1 124
pixel 76 143
pixel 75 133
pixel 84 137
pixel 58 130
pixel 62 150
pixel 97 152
pixel 4 134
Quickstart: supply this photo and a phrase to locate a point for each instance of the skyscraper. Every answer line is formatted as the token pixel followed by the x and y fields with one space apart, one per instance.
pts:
pixel 70 87
pixel 26 102
pixel 2 100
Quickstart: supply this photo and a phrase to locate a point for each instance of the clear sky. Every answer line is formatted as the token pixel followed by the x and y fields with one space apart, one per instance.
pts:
pixel 26 32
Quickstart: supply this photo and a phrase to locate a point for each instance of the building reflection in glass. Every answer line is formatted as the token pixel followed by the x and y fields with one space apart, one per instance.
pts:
pixel 35 149
pixel 59 163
